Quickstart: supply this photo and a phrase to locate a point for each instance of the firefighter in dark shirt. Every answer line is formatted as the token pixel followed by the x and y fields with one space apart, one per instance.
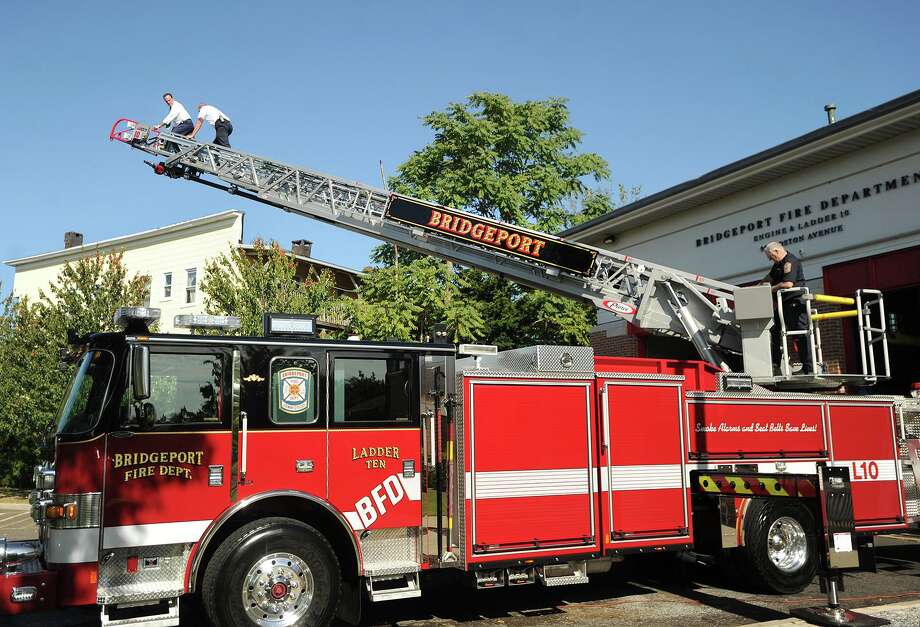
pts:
pixel 785 273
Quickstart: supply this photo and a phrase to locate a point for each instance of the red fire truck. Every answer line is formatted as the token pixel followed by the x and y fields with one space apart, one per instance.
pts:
pixel 284 478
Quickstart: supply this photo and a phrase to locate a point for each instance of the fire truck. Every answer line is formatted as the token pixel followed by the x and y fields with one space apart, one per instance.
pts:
pixel 286 479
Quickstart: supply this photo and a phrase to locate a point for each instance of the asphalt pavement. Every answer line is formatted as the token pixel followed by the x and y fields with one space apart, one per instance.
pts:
pixel 16 522
pixel 646 591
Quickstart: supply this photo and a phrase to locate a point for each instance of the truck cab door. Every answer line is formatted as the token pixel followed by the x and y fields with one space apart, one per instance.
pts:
pixel 374 440
pixel 167 464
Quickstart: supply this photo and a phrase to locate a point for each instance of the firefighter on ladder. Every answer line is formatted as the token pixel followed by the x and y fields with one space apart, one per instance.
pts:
pixel 787 272
pixel 223 127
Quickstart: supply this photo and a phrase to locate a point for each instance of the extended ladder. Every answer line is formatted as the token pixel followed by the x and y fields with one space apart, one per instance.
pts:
pixel 651 296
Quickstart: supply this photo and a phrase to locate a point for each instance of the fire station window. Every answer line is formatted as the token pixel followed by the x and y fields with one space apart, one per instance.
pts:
pixel 293 391
pixel 167 285
pixel 184 389
pixel 372 390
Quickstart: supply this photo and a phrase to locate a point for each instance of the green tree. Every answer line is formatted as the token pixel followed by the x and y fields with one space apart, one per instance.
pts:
pixel 33 335
pixel 248 283
pixel 517 162
pixel 405 302
pixel 86 293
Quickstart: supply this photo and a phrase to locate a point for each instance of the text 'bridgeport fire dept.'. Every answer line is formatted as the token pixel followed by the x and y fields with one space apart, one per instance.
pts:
pixel 157 463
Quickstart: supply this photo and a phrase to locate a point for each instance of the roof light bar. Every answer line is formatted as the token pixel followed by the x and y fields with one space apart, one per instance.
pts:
pixel 135 319
pixel 205 321
pixel 288 324
pixel 477 349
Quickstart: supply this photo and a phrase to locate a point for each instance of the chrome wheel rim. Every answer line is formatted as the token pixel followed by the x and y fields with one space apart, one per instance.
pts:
pixel 277 590
pixel 787 546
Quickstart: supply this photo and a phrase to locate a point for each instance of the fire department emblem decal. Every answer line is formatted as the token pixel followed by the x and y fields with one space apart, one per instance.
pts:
pixel 294 385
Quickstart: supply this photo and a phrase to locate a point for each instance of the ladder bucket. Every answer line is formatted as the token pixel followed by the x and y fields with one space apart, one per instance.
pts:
pixel 869 312
pixel 129 131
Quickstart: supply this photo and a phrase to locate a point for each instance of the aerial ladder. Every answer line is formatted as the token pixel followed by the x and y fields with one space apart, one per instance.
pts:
pixel 728 325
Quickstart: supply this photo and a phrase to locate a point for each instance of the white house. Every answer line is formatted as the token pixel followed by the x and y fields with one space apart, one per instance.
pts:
pixel 174 257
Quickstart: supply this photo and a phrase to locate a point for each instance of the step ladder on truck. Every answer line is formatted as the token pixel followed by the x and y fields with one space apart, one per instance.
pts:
pixel 285 478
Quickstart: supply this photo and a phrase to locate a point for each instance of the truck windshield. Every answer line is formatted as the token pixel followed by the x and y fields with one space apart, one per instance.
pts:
pixel 87 394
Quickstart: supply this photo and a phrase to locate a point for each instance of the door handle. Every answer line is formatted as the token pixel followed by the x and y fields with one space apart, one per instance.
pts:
pixel 122 434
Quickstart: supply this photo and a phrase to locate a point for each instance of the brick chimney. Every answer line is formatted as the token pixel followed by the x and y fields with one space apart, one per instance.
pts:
pixel 73 239
pixel 301 247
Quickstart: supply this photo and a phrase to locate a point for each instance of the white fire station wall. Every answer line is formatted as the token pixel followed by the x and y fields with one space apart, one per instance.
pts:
pixel 823 214
pixel 153 254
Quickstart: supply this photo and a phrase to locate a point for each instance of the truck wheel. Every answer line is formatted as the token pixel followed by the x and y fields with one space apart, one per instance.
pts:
pixel 272 572
pixel 780 550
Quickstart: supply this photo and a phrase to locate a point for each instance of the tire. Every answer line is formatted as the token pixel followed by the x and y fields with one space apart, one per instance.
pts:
pixel 263 573
pixel 780 552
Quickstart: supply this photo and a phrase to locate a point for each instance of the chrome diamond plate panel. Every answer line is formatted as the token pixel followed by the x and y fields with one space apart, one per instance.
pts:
pixel 911 490
pixel 512 374
pixel 778 396
pixel 459 470
pixel 164 579
pixel 391 551
pixel 539 359
pixel 909 415
pixel 640 376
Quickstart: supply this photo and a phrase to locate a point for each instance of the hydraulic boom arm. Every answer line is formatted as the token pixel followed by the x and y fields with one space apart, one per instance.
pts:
pixel 649 295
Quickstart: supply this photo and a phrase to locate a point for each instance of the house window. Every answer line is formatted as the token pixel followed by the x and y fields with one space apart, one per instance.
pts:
pixel 191 285
pixel 167 285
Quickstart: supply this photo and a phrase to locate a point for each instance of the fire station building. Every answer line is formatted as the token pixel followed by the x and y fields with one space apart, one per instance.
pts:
pixel 844 198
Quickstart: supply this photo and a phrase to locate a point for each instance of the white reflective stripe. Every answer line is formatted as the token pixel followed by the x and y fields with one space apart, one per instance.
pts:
pixel 354 520
pixel 412 486
pixel 72 546
pixel 147 535
pixel 644 477
pixel 652 476
pixel 869 469
pixel 520 483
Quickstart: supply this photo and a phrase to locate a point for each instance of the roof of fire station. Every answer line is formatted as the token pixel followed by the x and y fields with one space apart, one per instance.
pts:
pixel 847 135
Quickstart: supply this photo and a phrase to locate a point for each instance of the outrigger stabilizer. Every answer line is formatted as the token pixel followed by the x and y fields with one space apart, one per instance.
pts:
pixel 835 541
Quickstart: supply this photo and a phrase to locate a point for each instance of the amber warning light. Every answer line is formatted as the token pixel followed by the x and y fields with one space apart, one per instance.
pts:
pixel 58 512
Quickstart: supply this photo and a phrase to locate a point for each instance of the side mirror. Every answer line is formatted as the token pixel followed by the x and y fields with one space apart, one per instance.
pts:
pixel 140 372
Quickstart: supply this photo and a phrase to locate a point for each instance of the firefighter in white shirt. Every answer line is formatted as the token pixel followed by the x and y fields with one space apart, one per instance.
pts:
pixel 216 118
pixel 179 118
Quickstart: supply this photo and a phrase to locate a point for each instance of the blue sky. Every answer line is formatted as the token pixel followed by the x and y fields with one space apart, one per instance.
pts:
pixel 663 91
